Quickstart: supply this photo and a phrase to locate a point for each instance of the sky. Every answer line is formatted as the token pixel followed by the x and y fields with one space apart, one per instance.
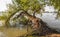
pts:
pixel 49 8
pixel 3 3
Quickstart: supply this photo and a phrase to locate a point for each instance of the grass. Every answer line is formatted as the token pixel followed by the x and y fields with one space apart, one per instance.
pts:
pixel 13 32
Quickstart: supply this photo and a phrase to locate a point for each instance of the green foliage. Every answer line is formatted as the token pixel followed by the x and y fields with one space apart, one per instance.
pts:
pixel 28 4
pixel 55 3
pixel 2 17
pixel 33 5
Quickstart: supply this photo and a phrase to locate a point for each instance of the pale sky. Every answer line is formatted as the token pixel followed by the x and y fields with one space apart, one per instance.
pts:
pixel 49 8
pixel 3 4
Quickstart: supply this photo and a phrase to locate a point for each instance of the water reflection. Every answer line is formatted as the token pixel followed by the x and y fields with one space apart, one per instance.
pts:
pixel 2 34
pixel 21 27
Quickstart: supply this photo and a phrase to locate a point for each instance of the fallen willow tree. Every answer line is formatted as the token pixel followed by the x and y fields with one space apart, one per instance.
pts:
pixel 39 27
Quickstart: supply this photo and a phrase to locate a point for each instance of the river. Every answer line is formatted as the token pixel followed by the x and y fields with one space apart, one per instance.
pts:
pixel 50 19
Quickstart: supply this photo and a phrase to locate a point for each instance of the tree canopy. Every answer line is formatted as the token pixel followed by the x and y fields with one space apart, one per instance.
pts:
pixel 32 5
pixel 55 3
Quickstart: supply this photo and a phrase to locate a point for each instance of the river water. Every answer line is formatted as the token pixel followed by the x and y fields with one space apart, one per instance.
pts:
pixel 50 19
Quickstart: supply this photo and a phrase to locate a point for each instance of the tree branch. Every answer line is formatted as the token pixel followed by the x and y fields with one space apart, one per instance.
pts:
pixel 34 14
